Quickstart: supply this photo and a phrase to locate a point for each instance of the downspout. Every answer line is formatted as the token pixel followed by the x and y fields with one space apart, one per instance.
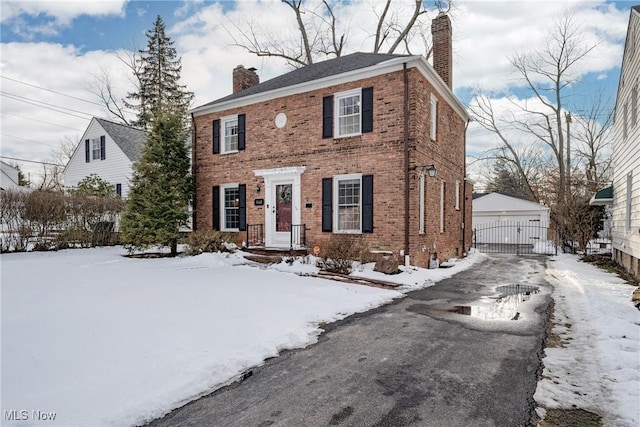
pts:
pixel 406 163
pixel 464 190
pixel 194 215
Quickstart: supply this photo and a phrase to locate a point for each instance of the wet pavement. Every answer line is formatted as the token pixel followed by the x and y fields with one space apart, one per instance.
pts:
pixel 421 361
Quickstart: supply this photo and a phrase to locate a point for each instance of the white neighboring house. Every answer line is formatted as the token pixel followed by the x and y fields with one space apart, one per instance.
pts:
pixel 626 154
pixel 108 150
pixel 498 217
pixel 9 178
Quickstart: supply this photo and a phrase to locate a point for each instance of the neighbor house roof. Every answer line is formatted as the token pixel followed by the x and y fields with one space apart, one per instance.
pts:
pixel 351 67
pixel 603 197
pixel 129 139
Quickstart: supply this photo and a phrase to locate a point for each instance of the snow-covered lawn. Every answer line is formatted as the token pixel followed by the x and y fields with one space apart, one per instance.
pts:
pixel 101 339
pixel 598 366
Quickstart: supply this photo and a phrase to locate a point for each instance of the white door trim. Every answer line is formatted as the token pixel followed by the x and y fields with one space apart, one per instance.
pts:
pixel 272 177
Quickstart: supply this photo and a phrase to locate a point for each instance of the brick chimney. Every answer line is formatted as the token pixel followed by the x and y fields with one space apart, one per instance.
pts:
pixel 243 78
pixel 442 54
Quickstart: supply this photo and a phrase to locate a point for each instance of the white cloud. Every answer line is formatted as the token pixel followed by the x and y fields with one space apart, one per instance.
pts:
pixel 61 12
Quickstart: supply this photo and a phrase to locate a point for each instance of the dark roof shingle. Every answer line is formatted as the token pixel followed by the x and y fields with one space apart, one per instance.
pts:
pixel 129 139
pixel 331 67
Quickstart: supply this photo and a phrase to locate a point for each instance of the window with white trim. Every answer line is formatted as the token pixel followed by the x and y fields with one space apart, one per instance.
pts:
pixel 348 113
pixel 457 195
pixel 421 204
pixel 624 120
pixel 433 123
pixel 442 205
pixel 229 132
pixel 230 203
pixel 95 149
pixel 348 203
pixel 634 106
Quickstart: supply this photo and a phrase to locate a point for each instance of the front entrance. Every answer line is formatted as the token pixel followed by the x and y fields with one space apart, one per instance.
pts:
pixel 281 206
pixel 283 228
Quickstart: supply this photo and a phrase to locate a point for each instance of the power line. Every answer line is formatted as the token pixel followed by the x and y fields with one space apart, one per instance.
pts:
pixel 42 121
pixel 62 94
pixel 44 105
pixel 52 91
pixel 25 139
pixel 29 161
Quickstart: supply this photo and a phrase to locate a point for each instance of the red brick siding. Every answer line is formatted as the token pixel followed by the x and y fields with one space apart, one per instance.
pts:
pixel 379 153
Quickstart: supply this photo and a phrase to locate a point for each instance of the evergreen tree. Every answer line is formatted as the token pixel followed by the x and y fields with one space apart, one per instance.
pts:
pixel 505 180
pixel 158 74
pixel 161 187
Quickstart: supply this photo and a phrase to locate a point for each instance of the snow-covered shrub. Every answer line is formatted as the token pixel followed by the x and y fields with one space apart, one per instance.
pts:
pixel 208 241
pixel 340 251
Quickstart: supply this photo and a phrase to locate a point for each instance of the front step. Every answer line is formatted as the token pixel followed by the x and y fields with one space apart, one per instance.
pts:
pixel 275 252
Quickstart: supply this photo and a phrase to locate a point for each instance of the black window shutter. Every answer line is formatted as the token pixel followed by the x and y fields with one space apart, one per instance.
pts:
pixel 242 207
pixel 367 110
pixel 367 203
pixel 327 203
pixel 119 190
pixel 327 116
pixel 87 150
pixel 216 208
pixel 103 148
pixel 241 131
pixel 216 136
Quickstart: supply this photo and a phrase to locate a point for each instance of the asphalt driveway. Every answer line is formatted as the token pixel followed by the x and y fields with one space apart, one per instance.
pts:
pixel 422 361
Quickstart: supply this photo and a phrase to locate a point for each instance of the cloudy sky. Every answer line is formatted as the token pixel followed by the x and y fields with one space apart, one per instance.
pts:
pixel 53 51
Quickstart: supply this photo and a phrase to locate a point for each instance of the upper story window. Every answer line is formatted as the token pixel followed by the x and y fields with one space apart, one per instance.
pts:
pixel 624 120
pixel 230 131
pixel 433 117
pixel 348 113
pixel 95 149
pixel 634 106
pixel 229 134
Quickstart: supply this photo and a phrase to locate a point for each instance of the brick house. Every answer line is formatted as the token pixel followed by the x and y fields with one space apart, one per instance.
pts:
pixel 344 146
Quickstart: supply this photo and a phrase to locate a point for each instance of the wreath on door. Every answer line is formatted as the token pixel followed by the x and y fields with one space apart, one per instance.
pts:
pixel 284 195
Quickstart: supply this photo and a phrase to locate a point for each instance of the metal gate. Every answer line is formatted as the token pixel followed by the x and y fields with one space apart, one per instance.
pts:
pixel 513 237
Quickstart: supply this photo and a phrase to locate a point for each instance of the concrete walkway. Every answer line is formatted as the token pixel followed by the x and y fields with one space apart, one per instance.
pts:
pixel 411 363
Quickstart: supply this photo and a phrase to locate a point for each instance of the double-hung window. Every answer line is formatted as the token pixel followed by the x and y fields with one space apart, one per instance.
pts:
pixel 348 203
pixel 230 202
pixel 95 148
pixel 348 113
pixel 230 134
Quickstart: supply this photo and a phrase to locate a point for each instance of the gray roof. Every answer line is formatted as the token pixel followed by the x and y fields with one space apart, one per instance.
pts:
pixel 331 67
pixel 130 140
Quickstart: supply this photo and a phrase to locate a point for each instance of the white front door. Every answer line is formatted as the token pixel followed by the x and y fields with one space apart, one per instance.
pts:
pixel 282 204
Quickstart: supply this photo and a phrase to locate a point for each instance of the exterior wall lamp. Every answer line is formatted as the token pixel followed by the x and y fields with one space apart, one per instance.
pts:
pixel 428 170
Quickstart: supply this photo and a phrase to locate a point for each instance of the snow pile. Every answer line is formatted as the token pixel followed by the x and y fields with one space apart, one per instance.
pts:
pixel 544 247
pixel 598 367
pixel 100 339
pixel 413 278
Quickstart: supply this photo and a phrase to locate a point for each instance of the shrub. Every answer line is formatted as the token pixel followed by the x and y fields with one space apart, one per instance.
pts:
pixel 338 255
pixel 207 241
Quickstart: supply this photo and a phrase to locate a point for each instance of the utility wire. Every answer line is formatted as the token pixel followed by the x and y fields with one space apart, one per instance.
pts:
pixel 62 94
pixel 15 98
pixel 42 121
pixel 30 161
pixel 25 139
pixel 20 98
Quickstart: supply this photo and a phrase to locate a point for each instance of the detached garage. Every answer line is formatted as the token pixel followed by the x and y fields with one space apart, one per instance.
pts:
pixel 502 219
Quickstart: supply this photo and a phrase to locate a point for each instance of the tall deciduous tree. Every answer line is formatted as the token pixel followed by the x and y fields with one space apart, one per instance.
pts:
pixel 161 187
pixel 318 32
pixel 158 72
